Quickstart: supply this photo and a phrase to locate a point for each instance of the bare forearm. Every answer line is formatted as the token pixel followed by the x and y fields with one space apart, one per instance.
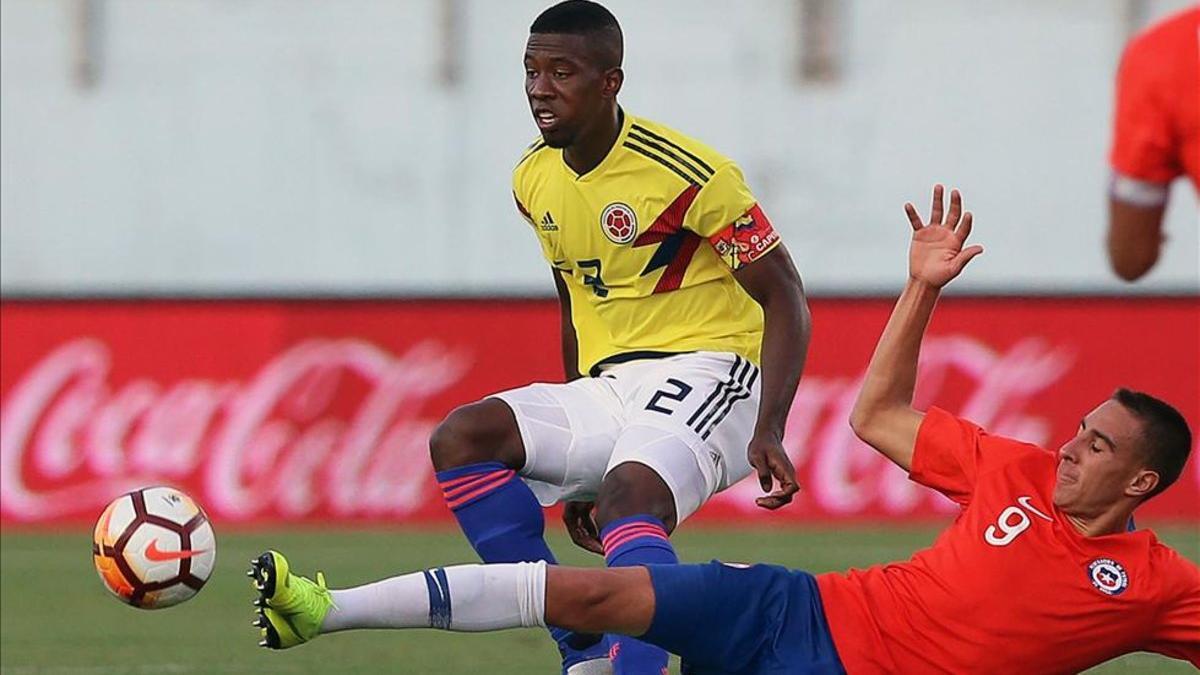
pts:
pixel 892 374
pixel 883 415
pixel 775 285
pixel 787 327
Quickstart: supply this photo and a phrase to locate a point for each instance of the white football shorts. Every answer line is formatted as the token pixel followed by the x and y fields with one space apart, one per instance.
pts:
pixel 688 417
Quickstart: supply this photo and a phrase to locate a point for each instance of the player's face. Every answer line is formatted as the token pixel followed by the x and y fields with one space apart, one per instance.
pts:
pixel 1097 467
pixel 567 93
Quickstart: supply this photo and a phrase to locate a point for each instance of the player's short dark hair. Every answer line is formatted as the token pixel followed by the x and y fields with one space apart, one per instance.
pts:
pixel 590 19
pixel 1166 438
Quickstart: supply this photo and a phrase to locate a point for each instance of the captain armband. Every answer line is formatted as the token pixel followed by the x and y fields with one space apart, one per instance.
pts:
pixel 746 239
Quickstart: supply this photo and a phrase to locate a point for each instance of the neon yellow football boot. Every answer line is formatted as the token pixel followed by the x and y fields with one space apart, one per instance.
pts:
pixel 290 607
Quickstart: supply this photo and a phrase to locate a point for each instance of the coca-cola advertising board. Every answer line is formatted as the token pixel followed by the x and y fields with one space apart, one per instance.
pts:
pixel 280 411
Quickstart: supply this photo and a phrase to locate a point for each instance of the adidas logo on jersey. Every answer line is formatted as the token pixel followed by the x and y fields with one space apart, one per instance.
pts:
pixel 547 224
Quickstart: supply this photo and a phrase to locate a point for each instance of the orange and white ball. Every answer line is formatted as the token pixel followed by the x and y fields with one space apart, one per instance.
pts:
pixel 154 547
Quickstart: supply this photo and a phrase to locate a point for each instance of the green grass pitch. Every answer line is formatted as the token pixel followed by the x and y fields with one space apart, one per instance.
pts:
pixel 55 617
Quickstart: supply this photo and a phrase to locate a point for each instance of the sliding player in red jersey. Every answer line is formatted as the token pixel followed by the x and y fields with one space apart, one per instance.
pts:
pixel 1037 574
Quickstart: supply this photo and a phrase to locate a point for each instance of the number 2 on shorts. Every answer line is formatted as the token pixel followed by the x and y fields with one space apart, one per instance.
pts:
pixel 682 389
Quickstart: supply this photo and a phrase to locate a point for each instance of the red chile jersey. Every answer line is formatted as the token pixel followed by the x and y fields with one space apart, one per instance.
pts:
pixel 647 243
pixel 1156 134
pixel 1011 586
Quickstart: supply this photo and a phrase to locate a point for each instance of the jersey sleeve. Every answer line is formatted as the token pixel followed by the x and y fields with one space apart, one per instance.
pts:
pixel 1143 147
pixel 1177 633
pixel 727 214
pixel 952 453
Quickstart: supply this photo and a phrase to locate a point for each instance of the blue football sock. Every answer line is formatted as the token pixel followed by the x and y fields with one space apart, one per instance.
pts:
pixel 636 540
pixel 504 523
pixel 497 511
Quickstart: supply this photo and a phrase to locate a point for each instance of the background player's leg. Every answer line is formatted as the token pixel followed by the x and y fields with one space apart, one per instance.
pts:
pixel 635 512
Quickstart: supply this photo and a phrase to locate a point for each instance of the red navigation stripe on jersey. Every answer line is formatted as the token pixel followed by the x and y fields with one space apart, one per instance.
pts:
pixel 676 245
pixel 626 533
pixel 670 221
pixel 459 491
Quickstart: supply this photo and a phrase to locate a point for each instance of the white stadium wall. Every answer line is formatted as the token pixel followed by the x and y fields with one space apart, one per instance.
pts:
pixel 287 146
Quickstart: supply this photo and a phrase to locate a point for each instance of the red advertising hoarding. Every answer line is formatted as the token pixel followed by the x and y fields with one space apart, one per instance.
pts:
pixel 320 411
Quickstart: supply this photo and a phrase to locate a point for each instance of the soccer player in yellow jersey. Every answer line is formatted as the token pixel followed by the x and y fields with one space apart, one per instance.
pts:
pixel 684 333
pixel 675 290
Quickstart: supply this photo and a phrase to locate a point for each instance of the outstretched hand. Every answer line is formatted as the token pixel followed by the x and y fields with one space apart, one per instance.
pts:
pixel 936 254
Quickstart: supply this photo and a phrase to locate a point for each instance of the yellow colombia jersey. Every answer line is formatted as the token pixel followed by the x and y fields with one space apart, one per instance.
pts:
pixel 648 240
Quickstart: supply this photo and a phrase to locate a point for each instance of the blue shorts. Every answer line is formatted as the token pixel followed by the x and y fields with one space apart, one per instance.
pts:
pixel 734 620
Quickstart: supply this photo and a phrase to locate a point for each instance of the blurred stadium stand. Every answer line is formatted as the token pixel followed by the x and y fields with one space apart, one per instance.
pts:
pixel 361 147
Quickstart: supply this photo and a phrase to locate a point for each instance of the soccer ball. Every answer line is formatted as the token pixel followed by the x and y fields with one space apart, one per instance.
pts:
pixel 154 547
